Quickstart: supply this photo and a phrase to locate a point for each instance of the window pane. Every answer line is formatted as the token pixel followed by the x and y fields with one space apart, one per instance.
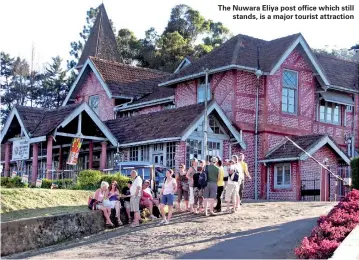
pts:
pixel 291 108
pixel 200 94
pixel 290 79
pixel 336 114
pixel 287 174
pixel 322 113
pixel 291 93
pixel 284 92
pixel 279 175
pixel 329 114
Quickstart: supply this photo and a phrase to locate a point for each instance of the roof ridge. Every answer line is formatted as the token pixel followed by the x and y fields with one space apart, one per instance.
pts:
pixel 332 56
pixel 129 66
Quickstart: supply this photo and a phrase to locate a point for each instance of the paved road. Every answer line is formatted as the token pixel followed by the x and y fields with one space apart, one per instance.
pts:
pixel 259 230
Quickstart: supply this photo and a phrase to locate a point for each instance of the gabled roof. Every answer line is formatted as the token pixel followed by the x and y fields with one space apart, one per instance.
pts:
pixel 101 42
pixel 341 73
pixel 287 151
pixel 123 81
pixel 166 125
pixel 240 51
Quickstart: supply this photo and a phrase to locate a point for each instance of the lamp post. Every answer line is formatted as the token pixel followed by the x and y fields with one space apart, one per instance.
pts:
pixel 205 117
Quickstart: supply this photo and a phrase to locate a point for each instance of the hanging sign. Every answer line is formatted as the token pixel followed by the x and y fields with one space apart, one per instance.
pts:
pixel 25 178
pixel 74 151
pixel 20 150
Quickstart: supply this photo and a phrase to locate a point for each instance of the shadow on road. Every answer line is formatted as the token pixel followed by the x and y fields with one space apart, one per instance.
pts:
pixel 277 241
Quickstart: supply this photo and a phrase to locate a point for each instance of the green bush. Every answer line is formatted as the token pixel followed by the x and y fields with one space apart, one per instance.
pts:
pixel 354 165
pixel 121 179
pixel 89 179
pixel 15 182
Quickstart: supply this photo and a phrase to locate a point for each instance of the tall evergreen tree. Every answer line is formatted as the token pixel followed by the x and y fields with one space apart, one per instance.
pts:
pixel 55 85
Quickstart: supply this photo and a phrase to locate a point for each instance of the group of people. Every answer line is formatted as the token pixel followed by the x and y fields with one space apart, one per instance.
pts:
pixel 203 187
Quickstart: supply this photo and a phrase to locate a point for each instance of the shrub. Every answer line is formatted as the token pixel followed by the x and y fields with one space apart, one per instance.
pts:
pixel 121 179
pixel 354 165
pixel 15 182
pixel 89 179
pixel 46 184
pixel 332 229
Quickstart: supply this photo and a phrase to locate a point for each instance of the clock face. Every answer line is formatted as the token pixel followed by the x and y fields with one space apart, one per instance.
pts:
pixel 94 100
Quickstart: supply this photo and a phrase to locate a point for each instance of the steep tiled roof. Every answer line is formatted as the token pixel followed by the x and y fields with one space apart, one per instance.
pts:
pixel 340 72
pixel 101 42
pixel 129 81
pixel 163 124
pixel 39 122
pixel 240 50
pixel 289 150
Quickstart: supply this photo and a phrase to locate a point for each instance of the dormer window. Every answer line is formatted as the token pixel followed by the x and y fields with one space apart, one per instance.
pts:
pixel 94 102
pixel 329 112
pixel 201 90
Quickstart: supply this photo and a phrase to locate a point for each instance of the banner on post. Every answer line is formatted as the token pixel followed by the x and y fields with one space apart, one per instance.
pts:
pixel 38 183
pixel 13 174
pixel 74 151
pixel 20 150
pixel 25 179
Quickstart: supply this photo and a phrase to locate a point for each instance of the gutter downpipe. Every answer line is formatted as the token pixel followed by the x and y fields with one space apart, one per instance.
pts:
pixel 258 73
pixel 205 118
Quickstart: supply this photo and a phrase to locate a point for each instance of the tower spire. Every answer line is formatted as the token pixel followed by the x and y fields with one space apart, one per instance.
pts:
pixel 101 42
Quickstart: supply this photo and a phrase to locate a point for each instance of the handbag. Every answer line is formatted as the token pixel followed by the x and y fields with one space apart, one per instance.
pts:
pixel 92 203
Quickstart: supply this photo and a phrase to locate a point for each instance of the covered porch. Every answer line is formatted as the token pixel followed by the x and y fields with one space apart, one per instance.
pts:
pixel 37 142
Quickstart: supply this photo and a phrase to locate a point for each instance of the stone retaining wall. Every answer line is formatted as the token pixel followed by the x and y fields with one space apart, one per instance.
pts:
pixel 349 248
pixel 22 235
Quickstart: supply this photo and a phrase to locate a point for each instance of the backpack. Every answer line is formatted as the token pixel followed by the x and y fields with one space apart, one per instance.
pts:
pixel 203 179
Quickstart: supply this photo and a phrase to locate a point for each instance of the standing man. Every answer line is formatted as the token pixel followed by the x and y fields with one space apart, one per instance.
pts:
pixel 136 194
pixel 190 173
pixel 245 170
pixel 210 191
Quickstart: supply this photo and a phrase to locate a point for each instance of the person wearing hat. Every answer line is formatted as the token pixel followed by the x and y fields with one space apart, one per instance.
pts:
pixel 210 191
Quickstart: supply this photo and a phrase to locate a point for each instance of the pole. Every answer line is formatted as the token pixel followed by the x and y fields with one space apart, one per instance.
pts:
pixel 258 75
pixel 205 118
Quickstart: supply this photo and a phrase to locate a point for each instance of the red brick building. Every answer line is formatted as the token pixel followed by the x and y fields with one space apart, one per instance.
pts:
pixel 259 93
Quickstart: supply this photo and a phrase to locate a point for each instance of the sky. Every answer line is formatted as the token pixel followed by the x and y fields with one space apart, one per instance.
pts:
pixel 51 25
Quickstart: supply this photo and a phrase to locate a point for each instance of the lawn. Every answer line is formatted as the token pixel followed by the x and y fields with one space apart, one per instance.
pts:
pixel 27 203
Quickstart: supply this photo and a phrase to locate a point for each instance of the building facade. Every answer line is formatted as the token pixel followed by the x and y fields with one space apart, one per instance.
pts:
pixel 265 98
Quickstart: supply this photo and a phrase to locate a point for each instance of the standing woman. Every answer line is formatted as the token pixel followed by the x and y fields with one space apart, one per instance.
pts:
pixel 220 186
pixel 190 173
pixel 183 186
pixel 167 196
pixel 113 195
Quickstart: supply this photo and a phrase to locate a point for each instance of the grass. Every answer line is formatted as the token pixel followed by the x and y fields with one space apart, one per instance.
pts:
pixel 27 203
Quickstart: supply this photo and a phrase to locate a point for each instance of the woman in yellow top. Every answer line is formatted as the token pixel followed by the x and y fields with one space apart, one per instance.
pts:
pixel 220 185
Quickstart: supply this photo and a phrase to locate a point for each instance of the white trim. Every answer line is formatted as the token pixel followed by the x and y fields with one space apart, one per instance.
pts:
pixel 98 76
pixel 282 186
pixel 307 50
pixel 288 159
pixel 153 141
pixel 268 182
pixel 343 89
pixel 82 136
pixel 95 119
pixel 324 141
pixel 144 104
pixel 31 140
pixel 183 62
pixel 198 121
pixel 9 119
pixel 212 71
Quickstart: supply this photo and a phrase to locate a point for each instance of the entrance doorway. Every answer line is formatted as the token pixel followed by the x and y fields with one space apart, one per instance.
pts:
pixel 157 158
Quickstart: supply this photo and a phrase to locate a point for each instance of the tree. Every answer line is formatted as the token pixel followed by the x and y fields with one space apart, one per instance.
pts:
pixel 128 45
pixel 55 85
pixel 344 54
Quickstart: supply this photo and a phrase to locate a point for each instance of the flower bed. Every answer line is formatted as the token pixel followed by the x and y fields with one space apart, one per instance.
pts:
pixel 331 230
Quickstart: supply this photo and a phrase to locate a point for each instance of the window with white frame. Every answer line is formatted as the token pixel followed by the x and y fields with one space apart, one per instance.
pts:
pixel 94 102
pixel 215 126
pixel 169 106
pixel 193 150
pixel 349 108
pixel 170 154
pixel 133 153
pixel 145 153
pixel 329 112
pixel 202 89
pixel 128 113
pixel 282 176
pixel 214 149
pixel 289 91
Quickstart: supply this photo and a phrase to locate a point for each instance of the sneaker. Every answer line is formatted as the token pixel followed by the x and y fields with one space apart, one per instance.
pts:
pixel 206 213
pixel 163 221
pixel 167 222
pixel 153 217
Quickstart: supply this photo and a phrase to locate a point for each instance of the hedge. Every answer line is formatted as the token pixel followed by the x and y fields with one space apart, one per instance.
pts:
pixel 354 165
pixel 15 182
pixel 91 179
pixel 332 229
